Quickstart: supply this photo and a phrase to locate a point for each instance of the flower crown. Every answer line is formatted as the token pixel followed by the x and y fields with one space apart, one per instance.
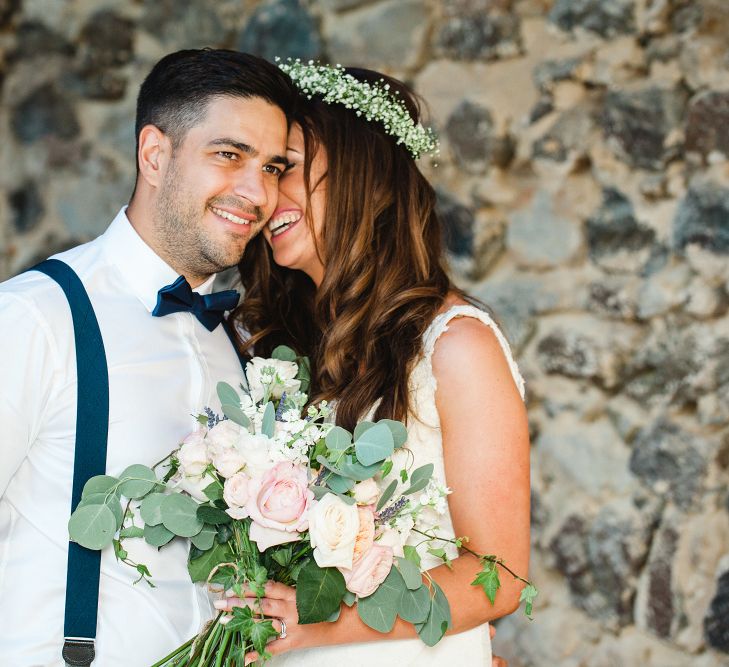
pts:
pixel 373 101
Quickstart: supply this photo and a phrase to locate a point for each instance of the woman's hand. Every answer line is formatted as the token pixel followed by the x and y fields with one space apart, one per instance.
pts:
pixel 278 603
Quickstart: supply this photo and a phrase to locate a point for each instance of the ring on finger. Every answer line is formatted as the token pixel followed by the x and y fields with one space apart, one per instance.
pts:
pixel 282 634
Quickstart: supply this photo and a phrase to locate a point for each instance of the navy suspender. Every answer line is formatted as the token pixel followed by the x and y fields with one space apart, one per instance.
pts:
pixel 92 426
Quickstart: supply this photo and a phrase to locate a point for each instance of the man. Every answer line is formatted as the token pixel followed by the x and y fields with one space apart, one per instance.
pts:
pixel 211 139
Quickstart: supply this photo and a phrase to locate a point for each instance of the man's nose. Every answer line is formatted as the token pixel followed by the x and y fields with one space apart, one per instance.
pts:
pixel 250 184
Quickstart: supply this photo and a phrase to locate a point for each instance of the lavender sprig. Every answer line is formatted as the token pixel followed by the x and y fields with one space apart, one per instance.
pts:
pixel 391 511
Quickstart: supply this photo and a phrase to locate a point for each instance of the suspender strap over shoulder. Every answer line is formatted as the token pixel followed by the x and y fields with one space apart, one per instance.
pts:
pixel 92 428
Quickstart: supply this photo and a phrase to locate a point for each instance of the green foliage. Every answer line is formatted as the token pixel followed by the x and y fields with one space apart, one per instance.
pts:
pixel 110 500
pixel 338 439
pixel 100 484
pixel 92 526
pixel 410 573
pixel 379 610
pixel 439 618
pixel 179 515
pixel 357 471
pixel 528 593
pixel 268 425
pixel 200 567
pixel 386 468
pixel 339 484
pixel 205 539
pixel 419 478
pixel 304 374
pixel 158 535
pixel 319 592
pixel 283 353
pixel 131 532
pixel 488 579
pixel 361 428
pixel 213 491
pixel 137 481
pixel 235 414
pixel 226 394
pixel 214 515
pixel 374 445
pixel 411 553
pixel 415 605
pixel 386 495
pixel 150 509
pixel 398 430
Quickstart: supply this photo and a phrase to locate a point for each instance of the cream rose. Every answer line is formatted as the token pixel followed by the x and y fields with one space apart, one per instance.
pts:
pixel 278 503
pixel 193 455
pixel 224 434
pixel 389 537
pixel 366 533
pixel 227 460
pixel 255 452
pixel 367 492
pixel 369 571
pixel 193 485
pixel 278 375
pixel 236 494
pixel 333 529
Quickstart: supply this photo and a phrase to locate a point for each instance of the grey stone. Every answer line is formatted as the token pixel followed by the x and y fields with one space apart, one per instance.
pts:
pixel 34 38
pixel 283 28
pixel 568 136
pixel 605 17
pixel 342 5
pixel 470 134
pixel 663 457
pixel 568 353
pixel 639 122
pixel 540 237
pixel 44 112
pixel 458 225
pixel 716 627
pixel 664 291
pixel 96 84
pixel 706 123
pixel 686 16
pixel 192 23
pixel 544 106
pixel 703 218
pixel 477 30
pixel 27 207
pixel 8 9
pixel 615 238
pixel 611 299
pixel 107 40
pixel 660 607
pixel 549 71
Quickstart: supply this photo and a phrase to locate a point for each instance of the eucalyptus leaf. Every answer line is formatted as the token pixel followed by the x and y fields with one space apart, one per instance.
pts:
pixel 338 439
pixel 268 425
pixel 439 618
pixel 361 428
pixel 419 478
pixel 92 526
pixel 319 491
pixel 112 502
pixel 157 536
pixel 339 484
pixel 398 430
pixel 410 573
pixel 179 515
pixel 415 487
pixel 411 553
pixel 319 592
pixel 137 481
pixel 322 460
pixel 205 539
pixel 131 531
pixel 283 353
pixel 236 415
pixel 348 500
pixel 200 568
pixel 349 598
pixel 374 445
pixel 99 484
pixel 149 509
pixel 227 395
pixel 415 605
pixel 386 495
pixel 357 471
pixel 213 491
pixel 379 610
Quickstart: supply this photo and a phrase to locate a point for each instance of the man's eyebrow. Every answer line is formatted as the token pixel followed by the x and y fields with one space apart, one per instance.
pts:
pixel 248 150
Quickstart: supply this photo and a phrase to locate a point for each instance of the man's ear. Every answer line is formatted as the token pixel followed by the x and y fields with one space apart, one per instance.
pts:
pixel 155 150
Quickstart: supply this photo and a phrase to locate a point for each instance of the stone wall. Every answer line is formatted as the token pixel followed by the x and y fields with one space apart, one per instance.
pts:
pixel 585 185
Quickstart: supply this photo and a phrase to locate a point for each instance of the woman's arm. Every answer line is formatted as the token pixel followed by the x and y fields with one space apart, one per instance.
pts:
pixel 486 449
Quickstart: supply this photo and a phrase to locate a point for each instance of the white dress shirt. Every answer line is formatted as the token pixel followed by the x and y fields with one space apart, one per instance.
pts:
pixel 162 370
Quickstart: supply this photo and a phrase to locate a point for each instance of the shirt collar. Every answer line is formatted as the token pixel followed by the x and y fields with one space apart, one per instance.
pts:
pixel 142 268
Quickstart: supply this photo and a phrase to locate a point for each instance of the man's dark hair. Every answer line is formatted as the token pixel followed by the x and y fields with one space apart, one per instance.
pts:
pixel 175 94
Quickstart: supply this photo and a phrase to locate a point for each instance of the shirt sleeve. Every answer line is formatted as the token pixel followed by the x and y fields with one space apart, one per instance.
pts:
pixel 28 368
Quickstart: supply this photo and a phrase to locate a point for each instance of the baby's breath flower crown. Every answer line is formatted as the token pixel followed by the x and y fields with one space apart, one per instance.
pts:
pixel 373 101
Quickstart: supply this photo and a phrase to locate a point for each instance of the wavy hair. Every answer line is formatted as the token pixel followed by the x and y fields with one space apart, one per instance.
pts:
pixel 384 278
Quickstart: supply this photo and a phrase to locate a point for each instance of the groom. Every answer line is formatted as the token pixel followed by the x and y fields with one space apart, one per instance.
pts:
pixel 211 142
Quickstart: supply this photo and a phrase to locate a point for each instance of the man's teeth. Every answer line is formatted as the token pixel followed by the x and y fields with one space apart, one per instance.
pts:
pixel 282 222
pixel 230 216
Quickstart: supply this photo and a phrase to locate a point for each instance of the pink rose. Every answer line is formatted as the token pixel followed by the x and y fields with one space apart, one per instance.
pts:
pixel 366 535
pixel 236 494
pixel 278 504
pixel 369 571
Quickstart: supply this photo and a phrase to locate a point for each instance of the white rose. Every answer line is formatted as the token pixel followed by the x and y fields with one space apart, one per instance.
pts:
pixel 235 494
pixel 389 537
pixel 193 485
pixel 366 492
pixel 193 455
pixel 223 434
pixel 278 375
pixel 333 529
pixel 227 460
pixel 254 451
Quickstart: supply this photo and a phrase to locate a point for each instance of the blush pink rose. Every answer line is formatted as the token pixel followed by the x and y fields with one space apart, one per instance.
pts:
pixel 369 571
pixel 366 535
pixel 236 494
pixel 278 504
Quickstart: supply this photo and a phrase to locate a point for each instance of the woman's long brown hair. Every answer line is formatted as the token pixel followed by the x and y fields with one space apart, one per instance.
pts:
pixel 384 277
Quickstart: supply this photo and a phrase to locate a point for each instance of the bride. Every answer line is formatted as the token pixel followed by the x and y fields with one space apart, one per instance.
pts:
pixel 349 271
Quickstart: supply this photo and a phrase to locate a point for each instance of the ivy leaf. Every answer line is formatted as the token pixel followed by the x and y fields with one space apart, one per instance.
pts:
pixel 319 591
pixel 213 515
pixel 488 579
pixel 213 491
pixel 528 593
pixel 260 633
pixel 200 568
pixel 242 621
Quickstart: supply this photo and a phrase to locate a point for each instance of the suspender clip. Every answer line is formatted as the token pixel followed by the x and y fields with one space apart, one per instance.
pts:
pixel 78 651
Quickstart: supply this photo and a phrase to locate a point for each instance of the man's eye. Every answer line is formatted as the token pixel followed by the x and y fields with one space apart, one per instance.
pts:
pixel 227 155
pixel 273 169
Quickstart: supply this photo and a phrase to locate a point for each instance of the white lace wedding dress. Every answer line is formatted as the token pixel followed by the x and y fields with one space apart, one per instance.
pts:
pixel 466 649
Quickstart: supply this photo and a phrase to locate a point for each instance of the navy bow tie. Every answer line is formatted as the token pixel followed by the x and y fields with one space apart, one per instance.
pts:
pixel 208 308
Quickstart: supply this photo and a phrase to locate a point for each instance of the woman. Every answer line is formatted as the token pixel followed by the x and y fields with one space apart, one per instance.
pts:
pixel 349 272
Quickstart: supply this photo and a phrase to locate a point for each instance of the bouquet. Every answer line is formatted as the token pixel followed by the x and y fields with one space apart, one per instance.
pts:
pixel 271 490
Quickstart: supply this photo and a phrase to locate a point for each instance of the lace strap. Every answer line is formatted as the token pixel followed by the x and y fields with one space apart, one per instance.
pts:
pixel 440 325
